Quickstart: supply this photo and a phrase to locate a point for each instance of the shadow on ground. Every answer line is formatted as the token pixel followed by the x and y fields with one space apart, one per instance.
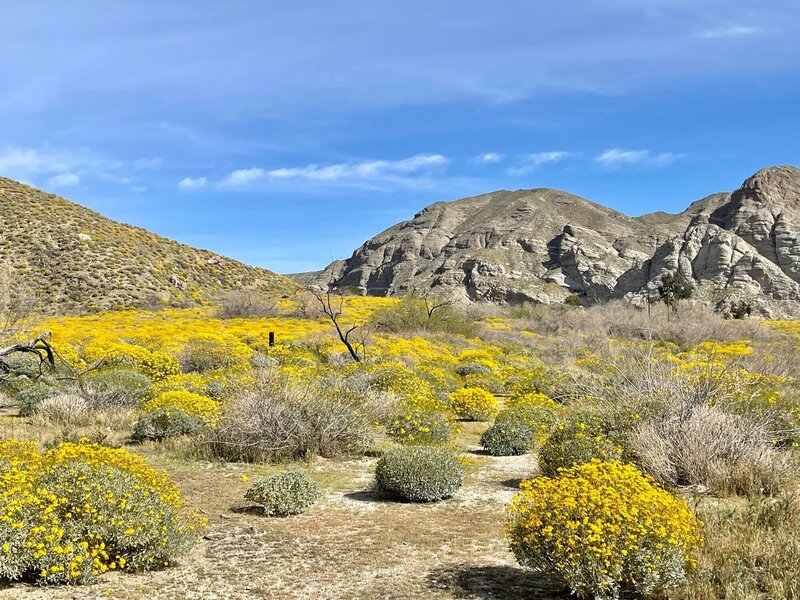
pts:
pixel 496 582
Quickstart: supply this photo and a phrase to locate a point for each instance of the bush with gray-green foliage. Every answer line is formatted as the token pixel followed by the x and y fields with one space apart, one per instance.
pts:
pixel 473 369
pixel 576 441
pixel 539 418
pixel 30 395
pixel 285 494
pixel 111 388
pixel 508 439
pixel 421 427
pixel 165 423
pixel 419 474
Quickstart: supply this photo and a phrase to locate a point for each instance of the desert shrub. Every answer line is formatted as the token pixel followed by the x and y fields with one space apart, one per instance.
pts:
pixel 288 493
pixel 473 404
pixel 604 528
pixel 245 304
pixel 284 419
pixel 579 438
pixel 419 474
pixel 31 394
pixel 490 383
pixel 415 314
pixel 209 352
pixel 508 439
pixel 196 405
pixel 64 410
pixel 399 379
pixel 164 423
pixel 110 388
pixel 157 366
pixel 58 526
pixel 423 427
pixel 708 446
pixel 473 368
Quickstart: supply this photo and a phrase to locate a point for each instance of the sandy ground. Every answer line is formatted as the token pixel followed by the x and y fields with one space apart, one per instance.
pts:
pixel 350 544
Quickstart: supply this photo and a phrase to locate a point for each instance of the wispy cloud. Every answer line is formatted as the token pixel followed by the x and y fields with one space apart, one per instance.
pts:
pixel 64 180
pixel 190 184
pixel 490 157
pixel 242 177
pixel 61 167
pixel 732 31
pixel 354 173
pixel 531 162
pixel 619 157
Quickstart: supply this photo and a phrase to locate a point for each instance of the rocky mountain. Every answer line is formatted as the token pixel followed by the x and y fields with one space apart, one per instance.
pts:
pixel 74 259
pixel 542 245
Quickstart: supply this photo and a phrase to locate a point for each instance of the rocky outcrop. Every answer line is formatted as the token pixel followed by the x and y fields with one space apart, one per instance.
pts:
pixel 542 245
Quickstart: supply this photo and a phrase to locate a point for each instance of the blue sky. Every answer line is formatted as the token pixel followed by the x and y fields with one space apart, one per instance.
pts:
pixel 285 134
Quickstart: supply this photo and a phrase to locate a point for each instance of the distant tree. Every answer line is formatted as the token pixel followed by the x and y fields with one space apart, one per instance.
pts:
pixel 331 305
pixel 741 310
pixel 673 288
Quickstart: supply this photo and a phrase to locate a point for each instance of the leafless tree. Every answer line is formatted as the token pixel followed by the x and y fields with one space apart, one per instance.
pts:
pixel 331 304
pixel 17 303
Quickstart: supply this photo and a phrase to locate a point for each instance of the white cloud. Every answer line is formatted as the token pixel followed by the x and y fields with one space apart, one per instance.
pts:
pixel 241 177
pixel 64 180
pixel 60 167
pixel 618 157
pixel 490 157
pixel 728 32
pixel 530 162
pixel 398 171
pixel 189 183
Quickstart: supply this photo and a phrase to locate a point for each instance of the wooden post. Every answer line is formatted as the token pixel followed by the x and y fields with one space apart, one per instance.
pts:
pixel 271 339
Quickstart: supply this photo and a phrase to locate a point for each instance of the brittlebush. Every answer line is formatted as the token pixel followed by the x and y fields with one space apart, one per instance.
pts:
pixel 80 510
pixel 604 528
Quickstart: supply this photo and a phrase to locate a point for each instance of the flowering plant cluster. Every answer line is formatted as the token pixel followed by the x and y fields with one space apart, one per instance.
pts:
pixel 80 510
pixel 604 527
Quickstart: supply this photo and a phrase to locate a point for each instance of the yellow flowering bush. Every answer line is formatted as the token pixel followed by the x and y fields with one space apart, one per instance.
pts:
pixel 532 399
pixel 604 528
pixel 158 366
pixel 190 403
pixel 473 404
pixel 419 426
pixel 80 510
pixel 208 351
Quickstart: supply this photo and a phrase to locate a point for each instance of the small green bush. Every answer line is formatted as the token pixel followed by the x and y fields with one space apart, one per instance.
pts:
pixel 114 387
pixel 421 427
pixel 419 474
pixel 575 442
pixel 165 423
pixel 288 493
pixel 539 419
pixel 508 439
pixel 32 395
pixel 473 369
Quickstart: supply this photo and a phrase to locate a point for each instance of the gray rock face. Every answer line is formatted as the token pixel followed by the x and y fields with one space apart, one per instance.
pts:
pixel 542 245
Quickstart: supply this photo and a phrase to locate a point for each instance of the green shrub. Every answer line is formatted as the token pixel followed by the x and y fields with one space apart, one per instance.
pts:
pixel 165 423
pixel 114 387
pixel 490 383
pixel 473 369
pixel 578 439
pixel 539 419
pixel 421 427
pixel 288 493
pixel 30 396
pixel 473 404
pixel 508 439
pixel 415 314
pixel 419 474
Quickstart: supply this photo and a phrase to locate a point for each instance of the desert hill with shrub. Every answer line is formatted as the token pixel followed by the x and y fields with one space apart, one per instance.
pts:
pixel 74 259
pixel 543 245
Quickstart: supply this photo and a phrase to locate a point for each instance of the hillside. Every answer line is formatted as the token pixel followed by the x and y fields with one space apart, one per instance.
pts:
pixel 76 260
pixel 542 245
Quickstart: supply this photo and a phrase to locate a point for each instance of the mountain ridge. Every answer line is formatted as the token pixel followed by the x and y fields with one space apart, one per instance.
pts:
pixel 74 259
pixel 543 245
